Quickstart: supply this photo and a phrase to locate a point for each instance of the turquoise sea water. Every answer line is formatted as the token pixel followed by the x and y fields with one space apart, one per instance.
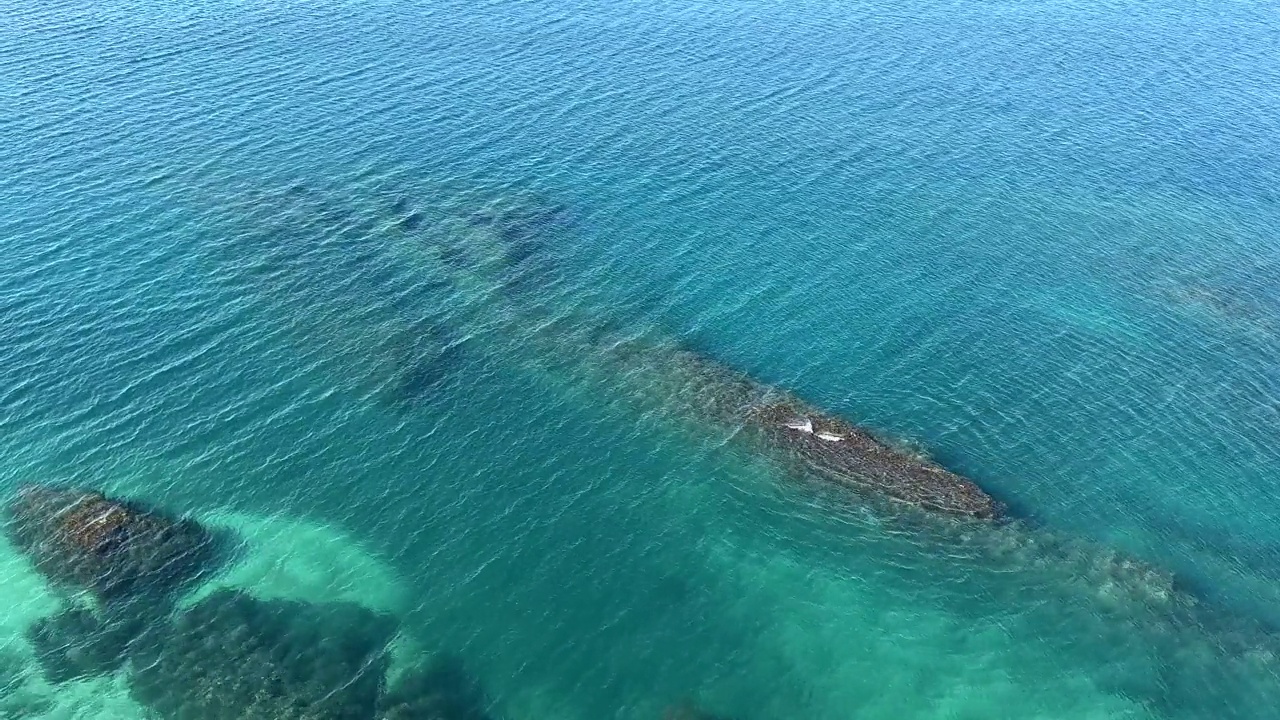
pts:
pixel 1038 241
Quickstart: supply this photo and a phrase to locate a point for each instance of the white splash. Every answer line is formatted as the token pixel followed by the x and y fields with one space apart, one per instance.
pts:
pixel 805 425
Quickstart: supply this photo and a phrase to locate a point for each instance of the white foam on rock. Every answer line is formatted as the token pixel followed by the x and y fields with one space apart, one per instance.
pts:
pixel 804 425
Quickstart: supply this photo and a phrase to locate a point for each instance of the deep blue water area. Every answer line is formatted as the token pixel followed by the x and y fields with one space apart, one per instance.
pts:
pixel 367 265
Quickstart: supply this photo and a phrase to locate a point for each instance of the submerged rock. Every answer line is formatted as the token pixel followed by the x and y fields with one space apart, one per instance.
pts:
pixel 112 548
pixel 837 450
pixel 440 690
pixel 511 241
pixel 493 249
pixel 815 443
pixel 412 221
pixel 234 657
pixel 426 355
pixel 77 643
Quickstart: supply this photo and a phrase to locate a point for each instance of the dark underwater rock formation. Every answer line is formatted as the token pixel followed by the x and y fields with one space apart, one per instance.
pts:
pixel 501 254
pixel 512 237
pixel 520 220
pixel 77 643
pixel 234 657
pixel 425 355
pixel 507 241
pixel 112 548
pixel 440 690
pixel 493 248
pixel 835 449
pixel 815 443
pixel 412 221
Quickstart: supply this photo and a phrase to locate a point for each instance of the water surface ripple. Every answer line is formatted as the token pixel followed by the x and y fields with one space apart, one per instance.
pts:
pixel 437 305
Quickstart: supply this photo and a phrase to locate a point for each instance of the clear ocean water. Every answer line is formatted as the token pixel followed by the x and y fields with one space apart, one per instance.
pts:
pixel 1038 241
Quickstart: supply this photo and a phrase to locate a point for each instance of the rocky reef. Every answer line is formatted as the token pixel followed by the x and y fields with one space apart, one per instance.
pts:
pixel 495 246
pixel 114 549
pixel 837 450
pixel 78 643
pixel 521 224
pixel 487 250
pixel 208 655
pixel 440 690
pixel 484 250
pixel 811 442
pixel 234 657
pixel 425 355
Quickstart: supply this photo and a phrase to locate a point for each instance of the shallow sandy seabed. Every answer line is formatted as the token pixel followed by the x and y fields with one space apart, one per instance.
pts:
pixel 289 558
pixel 293 559
pixel 861 656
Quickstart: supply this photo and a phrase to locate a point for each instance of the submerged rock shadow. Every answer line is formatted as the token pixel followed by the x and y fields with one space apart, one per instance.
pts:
pixel 234 656
pixel 442 688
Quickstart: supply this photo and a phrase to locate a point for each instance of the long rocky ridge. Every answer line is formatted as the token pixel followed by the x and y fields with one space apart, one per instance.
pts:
pixel 830 448
pixel 497 252
pixel 496 255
